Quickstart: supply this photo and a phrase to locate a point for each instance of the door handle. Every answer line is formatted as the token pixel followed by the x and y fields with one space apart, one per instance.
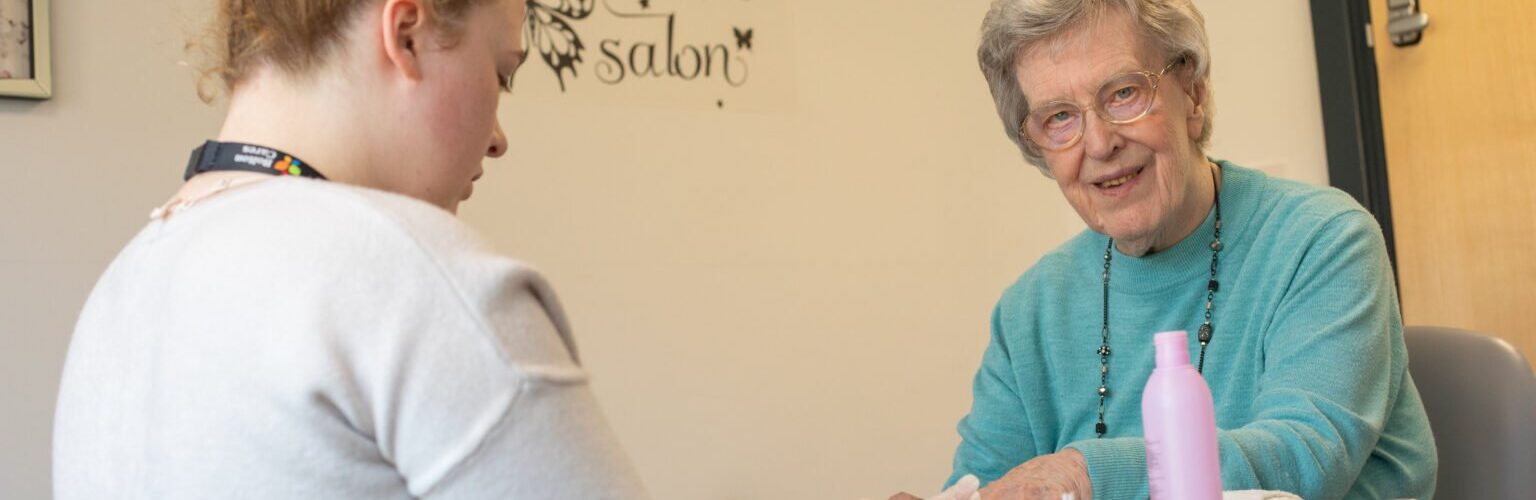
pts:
pixel 1405 24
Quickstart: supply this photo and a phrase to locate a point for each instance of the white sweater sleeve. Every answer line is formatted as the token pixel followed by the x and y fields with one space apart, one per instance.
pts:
pixel 489 399
pixel 550 442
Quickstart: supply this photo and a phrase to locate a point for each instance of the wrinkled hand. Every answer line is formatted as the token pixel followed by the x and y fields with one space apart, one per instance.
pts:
pixel 964 489
pixel 1044 477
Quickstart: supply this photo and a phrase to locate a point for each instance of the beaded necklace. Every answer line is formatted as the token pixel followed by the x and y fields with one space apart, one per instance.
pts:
pixel 1206 330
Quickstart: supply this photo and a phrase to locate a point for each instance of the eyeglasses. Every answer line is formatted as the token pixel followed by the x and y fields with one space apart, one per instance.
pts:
pixel 1126 98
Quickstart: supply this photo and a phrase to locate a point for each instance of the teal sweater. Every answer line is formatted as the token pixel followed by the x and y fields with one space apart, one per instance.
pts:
pixel 1307 364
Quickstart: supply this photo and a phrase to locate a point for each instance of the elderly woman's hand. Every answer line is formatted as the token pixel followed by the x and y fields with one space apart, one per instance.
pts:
pixel 1044 477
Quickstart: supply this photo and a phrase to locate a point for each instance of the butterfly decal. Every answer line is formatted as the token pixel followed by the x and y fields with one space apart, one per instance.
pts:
pixel 743 38
pixel 549 32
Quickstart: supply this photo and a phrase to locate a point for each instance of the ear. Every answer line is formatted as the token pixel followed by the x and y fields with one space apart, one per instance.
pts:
pixel 404 33
pixel 1197 96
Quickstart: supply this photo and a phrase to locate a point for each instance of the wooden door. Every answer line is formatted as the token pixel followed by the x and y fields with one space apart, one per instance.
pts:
pixel 1459 122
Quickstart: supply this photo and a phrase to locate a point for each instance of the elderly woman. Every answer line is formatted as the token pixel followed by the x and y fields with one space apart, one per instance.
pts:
pixel 1286 286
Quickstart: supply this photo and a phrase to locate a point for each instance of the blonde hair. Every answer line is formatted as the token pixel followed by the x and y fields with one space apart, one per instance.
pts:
pixel 295 36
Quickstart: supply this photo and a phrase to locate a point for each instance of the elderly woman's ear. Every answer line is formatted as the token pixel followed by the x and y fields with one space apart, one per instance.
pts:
pixel 1196 93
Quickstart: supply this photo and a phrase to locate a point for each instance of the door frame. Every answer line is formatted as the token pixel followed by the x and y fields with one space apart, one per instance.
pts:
pixel 1346 78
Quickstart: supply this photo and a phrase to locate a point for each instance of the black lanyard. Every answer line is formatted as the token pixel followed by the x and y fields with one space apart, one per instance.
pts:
pixel 214 155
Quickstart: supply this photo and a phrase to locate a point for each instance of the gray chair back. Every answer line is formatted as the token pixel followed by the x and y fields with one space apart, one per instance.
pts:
pixel 1480 394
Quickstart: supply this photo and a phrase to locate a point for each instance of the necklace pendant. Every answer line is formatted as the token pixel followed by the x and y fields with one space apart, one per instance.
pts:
pixel 1205 333
pixel 1100 428
pixel 1104 350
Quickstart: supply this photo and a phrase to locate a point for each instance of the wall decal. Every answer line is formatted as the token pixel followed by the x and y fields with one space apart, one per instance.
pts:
pixel 743 38
pixel 696 54
pixel 549 32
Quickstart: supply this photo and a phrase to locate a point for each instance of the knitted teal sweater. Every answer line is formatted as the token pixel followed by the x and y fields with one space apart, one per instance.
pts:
pixel 1307 365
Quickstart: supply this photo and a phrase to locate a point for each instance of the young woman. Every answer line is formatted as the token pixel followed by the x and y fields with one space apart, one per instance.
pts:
pixel 305 318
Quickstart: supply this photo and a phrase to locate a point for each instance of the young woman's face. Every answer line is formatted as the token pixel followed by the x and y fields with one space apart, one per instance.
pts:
pixel 460 90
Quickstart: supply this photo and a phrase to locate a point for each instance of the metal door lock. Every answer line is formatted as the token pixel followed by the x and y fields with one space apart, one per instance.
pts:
pixel 1405 24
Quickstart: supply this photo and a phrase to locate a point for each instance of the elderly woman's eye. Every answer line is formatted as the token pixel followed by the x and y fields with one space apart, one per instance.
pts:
pixel 1058 118
pixel 1125 93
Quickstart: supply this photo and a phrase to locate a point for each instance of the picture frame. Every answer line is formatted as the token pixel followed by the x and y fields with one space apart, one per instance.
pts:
pixel 26 56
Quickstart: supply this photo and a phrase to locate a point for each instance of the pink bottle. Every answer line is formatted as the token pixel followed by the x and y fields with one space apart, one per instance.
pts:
pixel 1179 422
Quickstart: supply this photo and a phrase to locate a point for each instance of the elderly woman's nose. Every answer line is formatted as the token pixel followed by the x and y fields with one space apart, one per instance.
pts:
pixel 1101 139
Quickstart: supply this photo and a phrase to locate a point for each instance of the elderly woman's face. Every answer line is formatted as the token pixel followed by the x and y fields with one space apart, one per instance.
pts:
pixel 1133 181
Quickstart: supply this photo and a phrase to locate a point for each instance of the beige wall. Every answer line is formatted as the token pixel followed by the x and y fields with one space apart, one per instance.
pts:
pixel 787 303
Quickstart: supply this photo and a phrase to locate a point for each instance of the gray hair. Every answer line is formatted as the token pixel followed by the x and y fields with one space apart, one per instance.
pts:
pixel 1174 26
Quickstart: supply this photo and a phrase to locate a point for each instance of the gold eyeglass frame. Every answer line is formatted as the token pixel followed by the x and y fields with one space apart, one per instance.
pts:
pixel 1155 78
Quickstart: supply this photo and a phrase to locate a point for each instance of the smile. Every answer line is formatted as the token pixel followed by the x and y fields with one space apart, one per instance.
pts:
pixel 1119 181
